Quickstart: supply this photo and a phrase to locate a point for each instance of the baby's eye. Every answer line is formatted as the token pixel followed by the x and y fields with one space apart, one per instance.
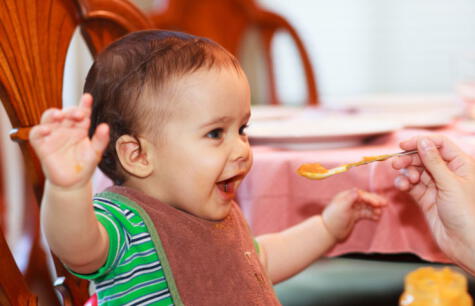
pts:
pixel 242 129
pixel 215 134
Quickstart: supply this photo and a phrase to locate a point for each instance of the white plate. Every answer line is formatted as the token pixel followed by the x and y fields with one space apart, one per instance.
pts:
pixel 431 118
pixel 334 131
pixel 395 100
pixel 411 110
pixel 271 112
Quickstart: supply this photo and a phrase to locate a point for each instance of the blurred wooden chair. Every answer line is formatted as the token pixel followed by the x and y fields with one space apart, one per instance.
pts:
pixel 13 289
pixel 34 40
pixel 103 21
pixel 227 22
pixel 3 217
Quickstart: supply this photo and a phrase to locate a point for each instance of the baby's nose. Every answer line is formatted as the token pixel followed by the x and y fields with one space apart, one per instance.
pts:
pixel 241 149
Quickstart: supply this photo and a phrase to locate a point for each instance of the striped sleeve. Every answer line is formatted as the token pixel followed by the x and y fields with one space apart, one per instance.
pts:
pixel 116 235
pixel 133 273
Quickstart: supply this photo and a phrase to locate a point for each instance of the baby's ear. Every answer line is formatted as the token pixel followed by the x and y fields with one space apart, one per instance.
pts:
pixel 135 155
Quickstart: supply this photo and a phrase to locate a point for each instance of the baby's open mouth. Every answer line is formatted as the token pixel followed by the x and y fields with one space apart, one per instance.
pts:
pixel 228 186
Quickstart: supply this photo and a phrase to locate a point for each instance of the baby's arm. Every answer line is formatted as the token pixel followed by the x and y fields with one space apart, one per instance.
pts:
pixel 68 158
pixel 286 253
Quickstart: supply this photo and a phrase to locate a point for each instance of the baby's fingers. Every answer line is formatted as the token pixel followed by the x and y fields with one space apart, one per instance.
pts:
pixel 100 139
pixel 75 114
pixel 80 112
pixel 371 198
pixel 51 115
pixel 369 212
pixel 38 132
pixel 85 104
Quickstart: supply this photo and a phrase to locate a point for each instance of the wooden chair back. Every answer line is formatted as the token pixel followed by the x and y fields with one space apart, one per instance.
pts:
pixel 34 40
pixel 227 22
pixel 105 21
pixel 14 289
pixel 3 217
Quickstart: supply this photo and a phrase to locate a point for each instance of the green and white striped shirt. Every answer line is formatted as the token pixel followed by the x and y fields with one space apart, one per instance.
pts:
pixel 132 274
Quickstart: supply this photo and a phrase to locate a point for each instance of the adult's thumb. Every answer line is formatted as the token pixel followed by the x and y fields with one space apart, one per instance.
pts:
pixel 432 161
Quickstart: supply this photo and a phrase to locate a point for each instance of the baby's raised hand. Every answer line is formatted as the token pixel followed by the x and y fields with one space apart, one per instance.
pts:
pixel 349 206
pixel 67 155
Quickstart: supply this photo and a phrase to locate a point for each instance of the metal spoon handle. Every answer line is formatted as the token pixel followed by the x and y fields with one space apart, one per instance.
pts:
pixel 404 153
pixel 367 160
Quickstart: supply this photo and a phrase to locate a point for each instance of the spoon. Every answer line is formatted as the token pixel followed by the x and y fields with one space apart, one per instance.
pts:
pixel 316 171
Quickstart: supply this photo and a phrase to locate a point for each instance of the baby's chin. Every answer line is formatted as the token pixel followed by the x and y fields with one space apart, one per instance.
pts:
pixel 217 215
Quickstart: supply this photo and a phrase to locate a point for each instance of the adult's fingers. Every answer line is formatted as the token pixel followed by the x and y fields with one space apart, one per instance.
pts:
pixel 413 173
pixel 448 150
pixel 405 161
pixel 409 144
pixel 402 183
pixel 432 159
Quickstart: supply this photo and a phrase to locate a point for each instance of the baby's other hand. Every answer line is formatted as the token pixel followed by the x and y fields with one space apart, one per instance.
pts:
pixel 349 206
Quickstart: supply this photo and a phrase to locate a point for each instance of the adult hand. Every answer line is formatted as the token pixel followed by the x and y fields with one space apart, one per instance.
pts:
pixel 441 178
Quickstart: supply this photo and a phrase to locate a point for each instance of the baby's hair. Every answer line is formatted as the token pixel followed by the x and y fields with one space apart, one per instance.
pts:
pixel 127 78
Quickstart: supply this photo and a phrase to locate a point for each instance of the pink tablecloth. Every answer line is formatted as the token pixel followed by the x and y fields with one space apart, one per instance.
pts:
pixel 273 197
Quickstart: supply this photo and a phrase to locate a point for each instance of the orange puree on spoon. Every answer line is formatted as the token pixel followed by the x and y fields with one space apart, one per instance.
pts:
pixel 315 168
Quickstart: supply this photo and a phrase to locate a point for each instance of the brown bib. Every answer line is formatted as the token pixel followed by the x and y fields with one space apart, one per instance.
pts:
pixel 205 262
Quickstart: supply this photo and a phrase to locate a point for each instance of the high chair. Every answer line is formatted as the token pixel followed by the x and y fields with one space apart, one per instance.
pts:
pixel 34 40
pixel 228 22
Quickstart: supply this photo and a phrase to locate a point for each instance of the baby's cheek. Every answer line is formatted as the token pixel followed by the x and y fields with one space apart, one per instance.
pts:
pixel 250 159
pixel 248 163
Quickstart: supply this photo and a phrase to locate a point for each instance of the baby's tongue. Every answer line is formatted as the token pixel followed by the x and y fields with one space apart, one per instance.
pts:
pixel 226 186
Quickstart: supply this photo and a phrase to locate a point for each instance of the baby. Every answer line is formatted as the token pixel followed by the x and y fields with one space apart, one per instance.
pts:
pixel 165 116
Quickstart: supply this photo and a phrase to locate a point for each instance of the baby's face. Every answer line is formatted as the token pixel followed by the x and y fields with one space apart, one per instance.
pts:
pixel 204 153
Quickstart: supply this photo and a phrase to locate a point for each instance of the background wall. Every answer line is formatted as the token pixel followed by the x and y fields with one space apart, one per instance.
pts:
pixel 369 46
pixel 356 47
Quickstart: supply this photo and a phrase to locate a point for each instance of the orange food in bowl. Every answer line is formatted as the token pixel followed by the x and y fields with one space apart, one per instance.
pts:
pixel 429 286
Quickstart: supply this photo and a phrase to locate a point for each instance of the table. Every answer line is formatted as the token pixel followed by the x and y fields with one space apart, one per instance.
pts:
pixel 273 197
